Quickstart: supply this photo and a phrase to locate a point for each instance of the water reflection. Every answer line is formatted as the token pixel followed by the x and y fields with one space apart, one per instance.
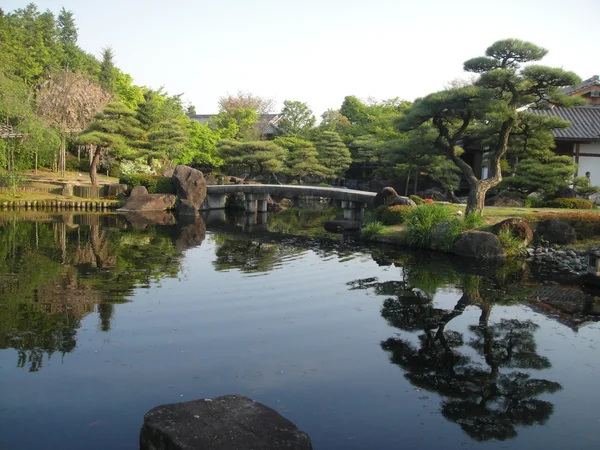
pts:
pixel 57 270
pixel 490 393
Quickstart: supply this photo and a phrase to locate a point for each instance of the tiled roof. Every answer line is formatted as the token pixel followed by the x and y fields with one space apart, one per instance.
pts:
pixel 585 121
pixel 594 81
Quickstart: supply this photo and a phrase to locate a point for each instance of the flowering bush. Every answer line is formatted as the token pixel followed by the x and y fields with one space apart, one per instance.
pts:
pixel 429 200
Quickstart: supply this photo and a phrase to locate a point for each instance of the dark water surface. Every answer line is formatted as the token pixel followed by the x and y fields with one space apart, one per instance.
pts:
pixel 103 318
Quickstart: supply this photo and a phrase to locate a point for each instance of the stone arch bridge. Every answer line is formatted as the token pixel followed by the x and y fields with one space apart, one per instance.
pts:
pixel 353 201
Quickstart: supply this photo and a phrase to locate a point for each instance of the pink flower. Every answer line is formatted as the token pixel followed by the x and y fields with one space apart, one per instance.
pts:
pixel 428 200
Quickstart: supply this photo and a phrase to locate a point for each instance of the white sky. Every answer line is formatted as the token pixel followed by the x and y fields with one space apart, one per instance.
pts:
pixel 319 51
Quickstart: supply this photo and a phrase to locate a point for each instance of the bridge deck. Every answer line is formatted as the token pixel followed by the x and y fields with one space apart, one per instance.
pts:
pixel 291 191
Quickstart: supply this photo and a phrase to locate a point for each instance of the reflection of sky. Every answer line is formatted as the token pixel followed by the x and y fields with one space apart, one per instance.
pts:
pixel 296 339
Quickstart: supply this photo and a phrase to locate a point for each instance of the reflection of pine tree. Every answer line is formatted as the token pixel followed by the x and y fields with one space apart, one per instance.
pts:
pixel 105 313
pixel 487 403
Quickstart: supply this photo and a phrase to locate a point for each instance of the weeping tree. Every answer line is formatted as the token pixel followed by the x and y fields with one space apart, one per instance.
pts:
pixel 68 102
pixel 114 131
pixel 489 111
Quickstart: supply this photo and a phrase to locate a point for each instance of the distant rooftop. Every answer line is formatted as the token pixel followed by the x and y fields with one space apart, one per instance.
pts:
pixel 585 121
pixel 594 81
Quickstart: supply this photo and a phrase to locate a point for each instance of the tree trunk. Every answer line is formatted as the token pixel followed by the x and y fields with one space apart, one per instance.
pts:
pixel 476 198
pixel 416 180
pixel 63 154
pixel 94 166
pixel 407 182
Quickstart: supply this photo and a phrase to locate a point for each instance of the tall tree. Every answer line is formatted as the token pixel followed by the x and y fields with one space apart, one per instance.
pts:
pixel 490 110
pixel 68 101
pixel 112 131
pixel 246 100
pixel 333 154
pixel 296 118
pixel 67 31
pixel 334 120
pixel 107 75
pixel 252 158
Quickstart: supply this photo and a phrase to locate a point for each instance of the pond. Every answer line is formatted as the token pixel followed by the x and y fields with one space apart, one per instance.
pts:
pixel 104 317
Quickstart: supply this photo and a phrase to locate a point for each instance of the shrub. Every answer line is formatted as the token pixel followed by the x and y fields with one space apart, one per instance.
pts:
pixel 472 221
pixel 154 184
pixel 395 215
pixel 418 200
pixel 533 202
pixel 378 212
pixel 569 203
pixel 511 243
pixel 586 225
pixel 371 229
pixel 421 221
pixel 429 201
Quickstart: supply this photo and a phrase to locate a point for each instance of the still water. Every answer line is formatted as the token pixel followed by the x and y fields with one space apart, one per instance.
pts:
pixel 104 317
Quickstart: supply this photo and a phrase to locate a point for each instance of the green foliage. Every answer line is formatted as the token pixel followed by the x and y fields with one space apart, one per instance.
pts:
pixel 421 220
pixel 544 176
pixel 107 75
pixel 155 184
pixel 533 202
pixel 489 111
pixel 395 215
pixel 569 203
pixel 513 245
pixel 301 159
pixel 472 221
pixel 371 229
pixel 201 147
pixel 238 123
pixel 583 187
pixel 296 119
pixel 378 212
pixel 333 154
pixel 12 180
pixel 418 200
pixel 252 158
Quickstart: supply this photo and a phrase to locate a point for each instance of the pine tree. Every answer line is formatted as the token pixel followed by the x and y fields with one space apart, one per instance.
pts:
pixel 333 154
pixel 107 74
pixel 113 131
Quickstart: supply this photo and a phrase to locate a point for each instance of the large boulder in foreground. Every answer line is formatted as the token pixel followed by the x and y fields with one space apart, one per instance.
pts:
pixel 190 185
pixel 140 200
pixel 554 231
pixel 388 196
pixel 519 228
pixel 232 422
pixel 479 244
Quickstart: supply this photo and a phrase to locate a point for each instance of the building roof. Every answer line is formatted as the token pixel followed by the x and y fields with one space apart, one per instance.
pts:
pixel 585 122
pixel 594 81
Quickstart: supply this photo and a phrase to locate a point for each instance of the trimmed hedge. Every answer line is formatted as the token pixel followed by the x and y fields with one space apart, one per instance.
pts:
pixel 569 203
pixel 395 215
pixel 155 184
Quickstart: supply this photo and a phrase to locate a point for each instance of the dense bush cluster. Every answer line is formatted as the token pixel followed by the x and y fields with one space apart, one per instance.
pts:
pixel 569 203
pixel 395 215
pixel 421 221
pixel 154 184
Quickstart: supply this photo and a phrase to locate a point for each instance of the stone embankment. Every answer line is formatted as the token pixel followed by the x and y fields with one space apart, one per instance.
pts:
pixel 565 260
pixel 59 205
